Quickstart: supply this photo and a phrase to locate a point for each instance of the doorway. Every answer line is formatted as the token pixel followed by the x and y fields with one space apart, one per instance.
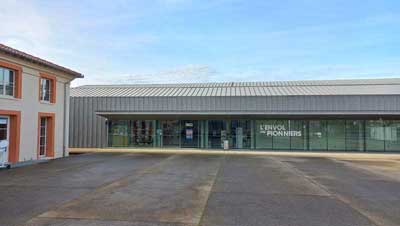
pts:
pixel 4 135
pixel 190 134
pixel 217 133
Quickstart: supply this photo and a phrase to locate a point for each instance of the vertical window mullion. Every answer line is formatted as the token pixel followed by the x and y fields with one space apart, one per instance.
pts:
pixel 45 136
pixel 3 82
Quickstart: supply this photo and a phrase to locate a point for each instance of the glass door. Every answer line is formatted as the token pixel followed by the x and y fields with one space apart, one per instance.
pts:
pixel 43 137
pixel 190 134
pixel 217 133
pixel 4 136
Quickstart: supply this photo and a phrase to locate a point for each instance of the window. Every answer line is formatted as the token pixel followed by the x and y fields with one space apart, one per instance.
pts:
pixel 141 133
pixel 281 141
pixel 126 133
pixel 7 82
pixel 317 135
pixel 46 134
pixel 263 140
pixel 355 135
pixel 43 137
pixel 336 135
pixel 217 133
pixel 45 89
pixel 190 134
pixel 392 135
pixel 374 135
pixel 298 142
pixel 118 133
pixel 241 134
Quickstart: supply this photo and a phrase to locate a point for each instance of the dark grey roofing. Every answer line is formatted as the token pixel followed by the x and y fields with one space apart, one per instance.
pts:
pixel 388 86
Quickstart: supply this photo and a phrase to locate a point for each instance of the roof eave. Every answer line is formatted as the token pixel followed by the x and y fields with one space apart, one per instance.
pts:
pixel 30 58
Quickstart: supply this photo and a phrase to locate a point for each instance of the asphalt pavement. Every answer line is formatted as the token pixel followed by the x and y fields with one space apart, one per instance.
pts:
pixel 131 189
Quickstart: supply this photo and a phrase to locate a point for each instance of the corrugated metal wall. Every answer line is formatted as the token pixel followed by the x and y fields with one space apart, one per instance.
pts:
pixel 89 130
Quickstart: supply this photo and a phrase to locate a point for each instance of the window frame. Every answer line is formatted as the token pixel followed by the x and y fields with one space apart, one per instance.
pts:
pixel 52 88
pixel 3 83
pixel 49 135
pixel 43 91
pixel 44 136
pixel 17 80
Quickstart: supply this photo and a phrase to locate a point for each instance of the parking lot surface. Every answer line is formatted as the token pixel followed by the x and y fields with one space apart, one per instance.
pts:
pixel 132 189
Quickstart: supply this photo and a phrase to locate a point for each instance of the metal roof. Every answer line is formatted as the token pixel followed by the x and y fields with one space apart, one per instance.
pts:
pixel 25 56
pixel 388 86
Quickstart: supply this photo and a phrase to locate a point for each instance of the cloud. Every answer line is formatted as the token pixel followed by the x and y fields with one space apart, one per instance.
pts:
pixel 183 74
pixel 322 72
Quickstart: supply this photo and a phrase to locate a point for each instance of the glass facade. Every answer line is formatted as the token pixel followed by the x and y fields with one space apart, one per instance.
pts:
pixel 131 133
pixel 240 134
pixel 170 133
pixel 190 137
pixel 268 134
pixel 336 131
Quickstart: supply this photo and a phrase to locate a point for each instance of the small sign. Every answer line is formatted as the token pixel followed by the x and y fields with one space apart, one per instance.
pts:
pixel 189 134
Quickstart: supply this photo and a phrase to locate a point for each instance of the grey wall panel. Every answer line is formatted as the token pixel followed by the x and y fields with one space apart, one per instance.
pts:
pixel 81 121
pixel 72 120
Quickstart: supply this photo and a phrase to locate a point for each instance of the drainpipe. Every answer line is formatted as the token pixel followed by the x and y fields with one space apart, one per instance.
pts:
pixel 66 119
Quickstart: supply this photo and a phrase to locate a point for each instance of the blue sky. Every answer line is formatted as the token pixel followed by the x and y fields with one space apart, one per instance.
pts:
pixel 168 41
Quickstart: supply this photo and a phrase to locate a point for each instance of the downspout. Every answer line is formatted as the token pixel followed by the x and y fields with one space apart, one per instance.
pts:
pixel 66 118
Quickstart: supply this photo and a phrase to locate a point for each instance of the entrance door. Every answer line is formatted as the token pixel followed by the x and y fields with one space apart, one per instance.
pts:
pixel 43 137
pixel 4 135
pixel 217 133
pixel 190 134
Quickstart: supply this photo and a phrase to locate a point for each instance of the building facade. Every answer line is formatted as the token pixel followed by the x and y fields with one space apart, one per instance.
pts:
pixel 330 115
pixel 34 106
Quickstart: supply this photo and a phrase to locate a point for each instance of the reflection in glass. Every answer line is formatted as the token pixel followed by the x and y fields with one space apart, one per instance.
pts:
pixel 170 133
pixel 298 142
pixel 354 135
pixel 317 135
pixel 190 134
pixel 336 135
pixel 374 135
pixel 392 135
pixel 118 133
pixel 217 133
pixel 241 134
pixel 141 133
pixel 262 139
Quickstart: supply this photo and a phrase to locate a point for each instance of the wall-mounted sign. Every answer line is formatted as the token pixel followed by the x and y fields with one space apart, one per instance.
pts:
pixel 278 130
pixel 189 124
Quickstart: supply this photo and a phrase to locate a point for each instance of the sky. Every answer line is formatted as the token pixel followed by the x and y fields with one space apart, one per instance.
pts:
pixel 175 41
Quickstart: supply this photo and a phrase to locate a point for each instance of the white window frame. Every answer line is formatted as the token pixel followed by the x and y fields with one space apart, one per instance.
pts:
pixel 43 135
pixel 3 84
pixel 43 90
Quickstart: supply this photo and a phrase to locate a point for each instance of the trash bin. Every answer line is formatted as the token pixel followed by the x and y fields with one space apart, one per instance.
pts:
pixel 226 144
